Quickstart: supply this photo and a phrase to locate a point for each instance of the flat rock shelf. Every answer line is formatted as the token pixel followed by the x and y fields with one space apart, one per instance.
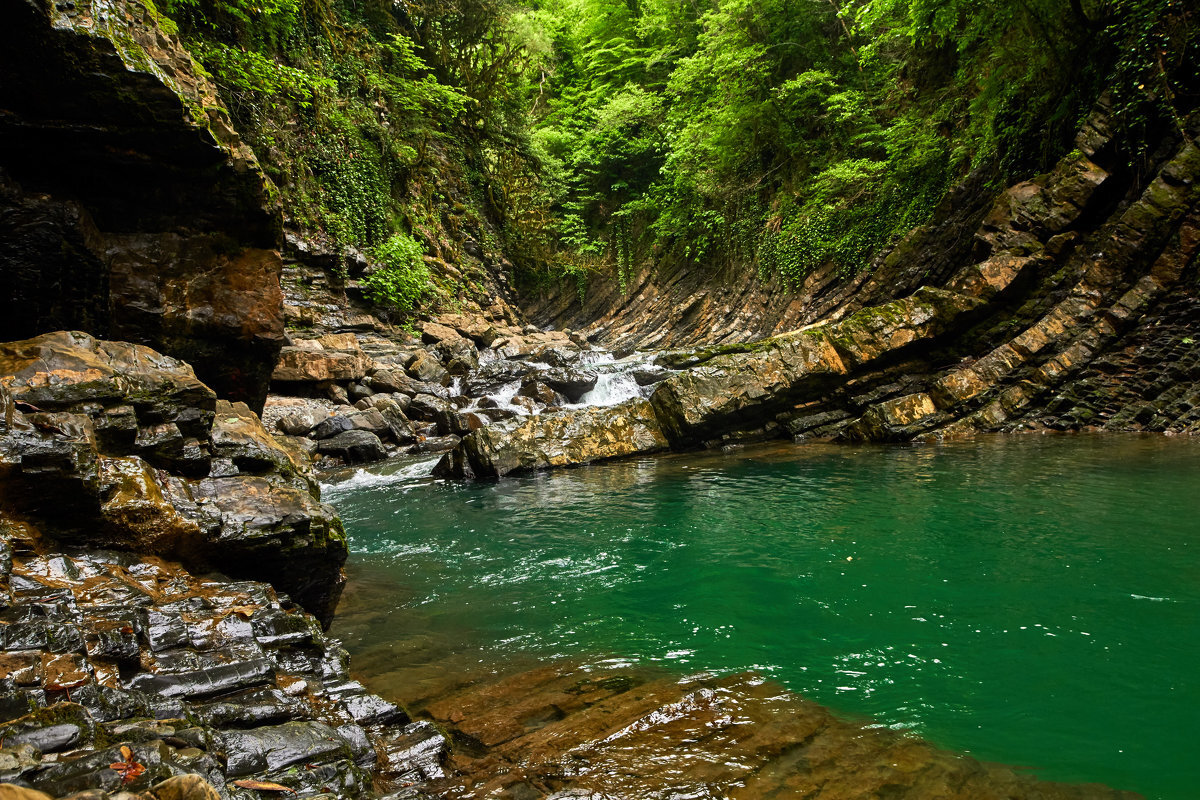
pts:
pixel 794 620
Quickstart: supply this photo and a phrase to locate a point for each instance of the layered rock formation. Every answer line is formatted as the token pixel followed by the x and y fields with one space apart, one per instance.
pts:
pixel 115 445
pixel 1071 304
pixel 564 734
pixel 118 672
pixel 129 208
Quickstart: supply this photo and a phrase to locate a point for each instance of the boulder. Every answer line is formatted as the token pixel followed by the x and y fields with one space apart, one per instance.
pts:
pixel 394 381
pixel 353 447
pixel 425 367
pixel 330 358
pixel 328 428
pixel 426 407
pixel 536 390
pixel 459 355
pixel 301 421
pixel 572 384
pixel 569 437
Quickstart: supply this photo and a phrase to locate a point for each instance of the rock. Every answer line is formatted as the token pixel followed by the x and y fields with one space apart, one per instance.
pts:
pixel 495 375
pixel 578 436
pixel 330 358
pixel 119 466
pixel 436 444
pixel 650 375
pixel 745 385
pixel 536 390
pixel 395 381
pixel 337 394
pixel 368 420
pixel 284 695
pixel 239 436
pixel 427 407
pixel 331 427
pixel 11 792
pixel 162 230
pixel 427 368
pixel 184 787
pixel 300 422
pixel 434 333
pixel 353 447
pixel 459 355
pixel 572 384
pixel 556 356
pixel 64 370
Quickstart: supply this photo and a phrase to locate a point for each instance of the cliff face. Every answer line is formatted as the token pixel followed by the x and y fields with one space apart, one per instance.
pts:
pixel 1067 302
pixel 128 206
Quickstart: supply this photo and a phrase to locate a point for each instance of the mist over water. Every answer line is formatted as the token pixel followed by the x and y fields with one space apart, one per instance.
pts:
pixel 1032 600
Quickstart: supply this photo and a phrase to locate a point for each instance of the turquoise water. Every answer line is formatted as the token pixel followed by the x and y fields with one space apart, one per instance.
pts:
pixel 1031 600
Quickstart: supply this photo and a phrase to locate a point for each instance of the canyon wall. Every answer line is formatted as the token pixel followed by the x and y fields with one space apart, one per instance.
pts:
pixel 129 207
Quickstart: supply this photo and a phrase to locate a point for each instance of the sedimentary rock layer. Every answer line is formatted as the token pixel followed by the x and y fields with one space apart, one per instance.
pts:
pixel 116 445
pixel 128 206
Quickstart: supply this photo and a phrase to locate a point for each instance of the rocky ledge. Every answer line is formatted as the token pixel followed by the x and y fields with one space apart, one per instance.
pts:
pixel 129 207
pixel 115 445
pixel 1075 307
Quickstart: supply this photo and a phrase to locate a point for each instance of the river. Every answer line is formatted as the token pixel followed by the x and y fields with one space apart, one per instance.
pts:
pixel 1032 600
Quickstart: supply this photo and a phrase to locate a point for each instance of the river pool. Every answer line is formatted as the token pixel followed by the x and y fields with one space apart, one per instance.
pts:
pixel 1032 600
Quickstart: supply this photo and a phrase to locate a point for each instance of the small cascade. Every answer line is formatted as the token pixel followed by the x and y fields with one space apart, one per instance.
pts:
pixel 345 484
pixel 611 388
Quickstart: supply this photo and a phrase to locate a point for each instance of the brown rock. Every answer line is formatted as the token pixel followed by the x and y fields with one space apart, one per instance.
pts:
pixel 331 358
pixel 565 438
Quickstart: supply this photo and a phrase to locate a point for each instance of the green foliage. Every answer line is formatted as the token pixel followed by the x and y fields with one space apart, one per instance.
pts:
pixel 401 280
pixel 573 136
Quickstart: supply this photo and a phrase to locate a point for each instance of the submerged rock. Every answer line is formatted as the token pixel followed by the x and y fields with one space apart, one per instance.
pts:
pixel 557 733
pixel 565 438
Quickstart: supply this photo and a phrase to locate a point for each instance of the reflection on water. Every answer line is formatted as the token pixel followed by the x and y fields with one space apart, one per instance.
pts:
pixel 1031 600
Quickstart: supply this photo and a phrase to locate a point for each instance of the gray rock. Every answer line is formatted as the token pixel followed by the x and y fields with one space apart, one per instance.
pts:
pixel 353 447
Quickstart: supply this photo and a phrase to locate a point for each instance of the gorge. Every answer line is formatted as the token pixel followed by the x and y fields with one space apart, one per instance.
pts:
pixel 308 305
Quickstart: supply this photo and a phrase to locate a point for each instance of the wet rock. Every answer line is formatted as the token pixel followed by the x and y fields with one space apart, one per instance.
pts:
pixel 427 407
pixel 554 440
pixel 353 447
pixel 572 384
pixel 540 392
pixel 650 375
pixel 436 444
pixel 425 367
pixel 558 732
pixel 66 371
pixel 459 355
pixel 259 692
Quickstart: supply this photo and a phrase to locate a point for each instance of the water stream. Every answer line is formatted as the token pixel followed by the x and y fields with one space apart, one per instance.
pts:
pixel 1031 600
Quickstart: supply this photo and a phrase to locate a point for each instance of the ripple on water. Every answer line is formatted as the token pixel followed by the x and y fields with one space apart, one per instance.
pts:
pixel 1033 600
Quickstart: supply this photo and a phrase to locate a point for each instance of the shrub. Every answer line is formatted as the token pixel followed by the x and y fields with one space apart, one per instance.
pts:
pixel 401 279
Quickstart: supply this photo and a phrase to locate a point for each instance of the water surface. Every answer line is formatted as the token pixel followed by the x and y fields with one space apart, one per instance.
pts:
pixel 1032 600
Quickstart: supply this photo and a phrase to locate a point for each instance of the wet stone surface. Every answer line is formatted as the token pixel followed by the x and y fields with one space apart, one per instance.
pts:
pixel 205 676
